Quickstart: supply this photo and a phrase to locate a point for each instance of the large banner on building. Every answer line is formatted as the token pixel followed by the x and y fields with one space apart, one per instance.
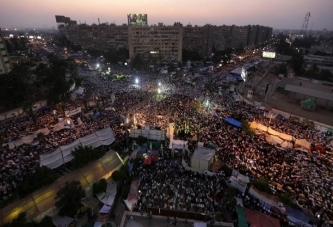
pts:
pixel 137 19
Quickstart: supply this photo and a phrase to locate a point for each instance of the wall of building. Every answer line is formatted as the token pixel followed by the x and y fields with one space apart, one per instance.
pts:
pixel 164 43
pixel 202 39
pixel 101 37
pixel 4 57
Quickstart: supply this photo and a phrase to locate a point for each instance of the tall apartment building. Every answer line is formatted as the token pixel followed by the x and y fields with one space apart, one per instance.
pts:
pixel 210 38
pixel 102 36
pixel 4 57
pixel 194 39
pixel 252 35
pixel 203 39
pixel 162 42
pixel 221 37
pixel 238 36
pixel 263 34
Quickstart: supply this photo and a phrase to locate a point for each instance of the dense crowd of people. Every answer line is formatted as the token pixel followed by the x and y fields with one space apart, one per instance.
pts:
pixel 303 175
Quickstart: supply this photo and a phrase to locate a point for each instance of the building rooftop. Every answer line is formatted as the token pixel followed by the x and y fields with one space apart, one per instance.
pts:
pixel 309 92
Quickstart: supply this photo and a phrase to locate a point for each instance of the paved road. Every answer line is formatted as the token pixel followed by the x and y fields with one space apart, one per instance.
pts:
pixel 41 202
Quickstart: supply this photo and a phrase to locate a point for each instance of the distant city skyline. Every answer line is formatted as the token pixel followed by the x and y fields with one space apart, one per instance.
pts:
pixel 282 14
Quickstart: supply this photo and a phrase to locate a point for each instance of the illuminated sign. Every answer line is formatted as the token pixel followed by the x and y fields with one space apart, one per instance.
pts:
pixel 137 19
pixel 268 54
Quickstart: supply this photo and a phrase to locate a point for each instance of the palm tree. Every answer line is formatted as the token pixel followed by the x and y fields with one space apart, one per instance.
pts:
pixel 62 107
pixel 27 108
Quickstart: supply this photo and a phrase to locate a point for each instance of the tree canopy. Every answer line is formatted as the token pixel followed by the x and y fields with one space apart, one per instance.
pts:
pixel 189 55
pixel 42 176
pixel 21 221
pixel 84 155
pixel 297 63
pixel 224 55
pixel 69 198
pixel 100 186
pixel 283 48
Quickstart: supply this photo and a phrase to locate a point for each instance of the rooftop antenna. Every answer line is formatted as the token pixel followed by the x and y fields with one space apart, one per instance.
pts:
pixel 99 23
pixel 305 24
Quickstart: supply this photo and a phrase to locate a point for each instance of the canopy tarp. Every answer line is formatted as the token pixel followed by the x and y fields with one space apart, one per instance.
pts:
pixel 277 140
pixel 61 221
pixel 202 158
pixel 233 122
pixel 308 104
pixel 267 199
pixel 133 193
pixel 302 143
pixel 256 125
pixel 147 160
pixel 297 222
pixel 105 209
pixel 242 222
pixel 64 153
pixel 298 214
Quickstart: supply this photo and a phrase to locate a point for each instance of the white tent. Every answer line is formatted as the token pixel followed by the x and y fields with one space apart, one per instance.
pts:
pixel 79 91
pixel 202 158
pixel 62 221
pixel 63 154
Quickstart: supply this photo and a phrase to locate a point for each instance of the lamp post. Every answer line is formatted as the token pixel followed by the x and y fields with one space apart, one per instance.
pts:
pixel 68 121
pixel 54 114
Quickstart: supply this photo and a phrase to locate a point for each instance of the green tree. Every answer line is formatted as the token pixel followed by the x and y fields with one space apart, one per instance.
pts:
pixel 218 216
pixel 120 174
pixel 326 75
pixel 27 108
pixel 61 106
pixel 100 186
pixel 189 55
pixel 85 154
pixel 46 222
pixel 297 63
pixel 283 69
pixel 231 193
pixel 246 127
pixel 69 198
pixel 311 74
pixel 282 47
pixel 262 184
pixel 137 62
pixel 41 176
pixel 40 137
pixel 21 221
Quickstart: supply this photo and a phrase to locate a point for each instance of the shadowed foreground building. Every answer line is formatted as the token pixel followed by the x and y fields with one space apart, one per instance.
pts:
pixel 4 57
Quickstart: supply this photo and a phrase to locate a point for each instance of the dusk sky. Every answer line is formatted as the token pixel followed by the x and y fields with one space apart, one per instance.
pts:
pixel 288 14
